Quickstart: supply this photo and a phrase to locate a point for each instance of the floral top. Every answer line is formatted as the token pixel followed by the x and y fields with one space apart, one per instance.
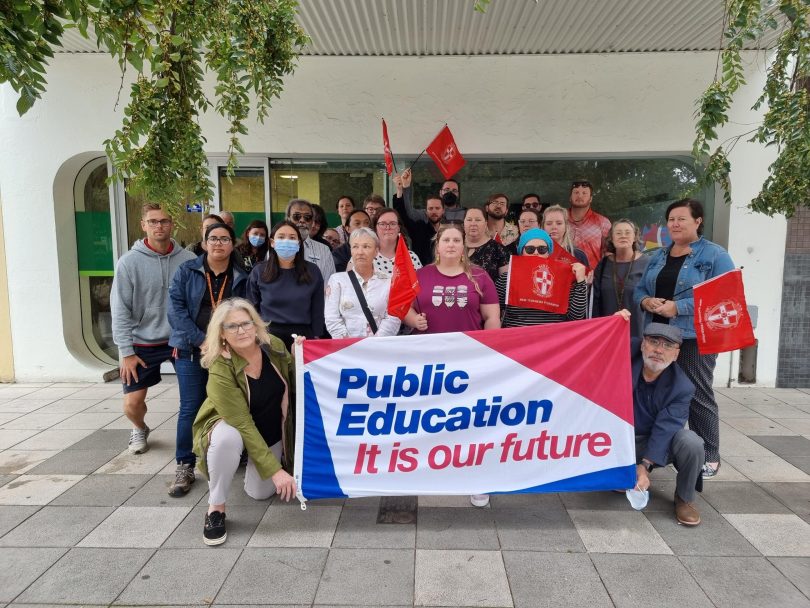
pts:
pixel 508 234
pixel 490 256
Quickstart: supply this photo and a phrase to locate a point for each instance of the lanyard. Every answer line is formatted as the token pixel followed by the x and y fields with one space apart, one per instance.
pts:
pixel 616 282
pixel 214 304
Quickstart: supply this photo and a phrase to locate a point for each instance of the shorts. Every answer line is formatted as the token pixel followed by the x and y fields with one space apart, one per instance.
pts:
pixel 148 376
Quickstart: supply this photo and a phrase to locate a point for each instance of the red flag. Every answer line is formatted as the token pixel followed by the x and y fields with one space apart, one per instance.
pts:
pixel 540 283
pixel 561 253
pixel 722 323
pixel 445 154
pixel 389 158
pixel 404 284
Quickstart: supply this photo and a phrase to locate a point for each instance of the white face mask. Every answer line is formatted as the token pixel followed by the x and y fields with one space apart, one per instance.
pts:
pixel 638 498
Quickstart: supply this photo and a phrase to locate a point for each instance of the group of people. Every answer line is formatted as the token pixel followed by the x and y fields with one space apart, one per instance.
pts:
pixel 228 318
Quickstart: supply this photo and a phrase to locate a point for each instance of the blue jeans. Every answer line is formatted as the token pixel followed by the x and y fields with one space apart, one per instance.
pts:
pixel 191 378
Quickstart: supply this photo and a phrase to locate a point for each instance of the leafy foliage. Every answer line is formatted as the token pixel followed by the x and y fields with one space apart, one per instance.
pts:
pixel 785 96
pixel 248 45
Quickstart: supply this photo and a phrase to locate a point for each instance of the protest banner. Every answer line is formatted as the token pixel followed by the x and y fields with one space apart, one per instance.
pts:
pixel 722 322
pixel 533 409
pixel 539 283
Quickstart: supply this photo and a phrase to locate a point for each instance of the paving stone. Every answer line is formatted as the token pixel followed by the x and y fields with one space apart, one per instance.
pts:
pixel 17 462
pixel 800 462
pixel 53 439
pixel 160 582
pixel 96 576
pixel 149 463
pixel 731 409
pixel 662 498
pixel 797 425
pixel 546 529
pixel 297 571
pixel 797 569
pixel 77 462
pixel 757 426
pixel 241 522
pixel 456 529
pixel 787 395
pixel 11 517
pixel 56 527
pixel 153 420
pixel 24 406
pixel 617 532
pixel 741 497
pixel 8 416
pixel 532 501
pixel 19 567
pixel 735 443
pixel 155 493
pixel 4 479
pixel 35 420
pixel 368 577
pixel 796 496
pixel 67 406
pixel 138 527
pixel 14 391
pixel 785 446
pixel 289 526
pixel 774 534
pixel 103 440
pixel 54 392
pixel 777 410
pixel 358 528
pixel 714 535
pixel 102 490
pixel 442 501
pixel 540 580
pixel 596 501
pixel 742 582
pixel 11 438
pixel 98 391
pixel 459 578
pixel 767 468
pixel 36 489
pixel 87 421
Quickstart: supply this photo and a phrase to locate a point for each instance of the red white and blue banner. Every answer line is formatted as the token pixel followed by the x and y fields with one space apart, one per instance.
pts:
pixel 531 409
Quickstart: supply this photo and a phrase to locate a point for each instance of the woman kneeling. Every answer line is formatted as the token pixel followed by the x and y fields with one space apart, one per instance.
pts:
pixel 249 375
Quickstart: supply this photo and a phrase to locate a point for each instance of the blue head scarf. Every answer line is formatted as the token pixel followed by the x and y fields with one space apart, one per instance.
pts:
pixel 534 233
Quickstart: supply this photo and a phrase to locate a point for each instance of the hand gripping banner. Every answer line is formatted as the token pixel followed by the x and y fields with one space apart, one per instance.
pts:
pixel 531 409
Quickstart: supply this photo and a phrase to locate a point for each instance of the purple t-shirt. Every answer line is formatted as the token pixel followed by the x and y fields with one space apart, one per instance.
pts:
pixel 452 303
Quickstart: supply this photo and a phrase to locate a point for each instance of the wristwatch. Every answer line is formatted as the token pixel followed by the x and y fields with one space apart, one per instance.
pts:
pixel 648 465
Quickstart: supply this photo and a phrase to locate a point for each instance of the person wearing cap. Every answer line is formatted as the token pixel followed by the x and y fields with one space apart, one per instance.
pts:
pixel 661 396
pixel 590 228
pixel 537 242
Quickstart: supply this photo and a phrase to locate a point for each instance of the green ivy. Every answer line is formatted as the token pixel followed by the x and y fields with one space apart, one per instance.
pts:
pixel 785 96
pixel 249 46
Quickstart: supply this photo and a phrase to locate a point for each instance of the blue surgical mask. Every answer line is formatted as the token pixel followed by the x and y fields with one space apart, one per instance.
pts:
pixel 286 249
pixel 256 240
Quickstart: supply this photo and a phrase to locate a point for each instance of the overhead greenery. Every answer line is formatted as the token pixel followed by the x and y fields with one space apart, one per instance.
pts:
pixel 784 101
pixel 168 46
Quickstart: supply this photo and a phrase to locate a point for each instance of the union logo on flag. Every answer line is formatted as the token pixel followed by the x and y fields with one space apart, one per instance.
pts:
pixel 543 281
pixel 724 315
pixel 449 153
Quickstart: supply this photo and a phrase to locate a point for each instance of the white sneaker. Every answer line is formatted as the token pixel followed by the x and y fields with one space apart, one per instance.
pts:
pixel 137 441
pixel 479 500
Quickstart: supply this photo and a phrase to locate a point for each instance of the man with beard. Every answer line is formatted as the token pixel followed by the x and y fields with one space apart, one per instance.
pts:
pixel 300 213
pixel 499 229
pixel 661 396
pixel 450 193
pixel 590 229
pixel 421 224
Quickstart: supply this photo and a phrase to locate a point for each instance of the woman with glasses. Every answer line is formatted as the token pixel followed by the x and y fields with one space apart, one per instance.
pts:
pixel 253 248
pixel 664 295
pixel 536 242
pixel 389 226
pixel 286 289
pixel 555 223
pixel 618 273
pixel 528 219
pixel 482 250
pixel 250 389
pixel 346 315
pixel 198 288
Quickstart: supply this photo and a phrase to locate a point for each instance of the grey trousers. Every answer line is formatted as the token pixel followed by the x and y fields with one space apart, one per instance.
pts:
pixel 224 451
pixel 686 453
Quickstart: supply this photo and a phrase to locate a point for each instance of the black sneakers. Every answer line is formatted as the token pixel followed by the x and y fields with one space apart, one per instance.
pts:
pixel 214 531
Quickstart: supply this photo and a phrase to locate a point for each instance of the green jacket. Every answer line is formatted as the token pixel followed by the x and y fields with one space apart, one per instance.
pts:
pixel 228 399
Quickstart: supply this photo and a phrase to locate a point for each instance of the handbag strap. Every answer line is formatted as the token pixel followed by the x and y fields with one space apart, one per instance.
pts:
pixel 360 296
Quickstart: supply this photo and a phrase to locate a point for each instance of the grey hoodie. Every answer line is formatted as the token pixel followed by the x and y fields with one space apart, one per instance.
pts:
pixel 140 295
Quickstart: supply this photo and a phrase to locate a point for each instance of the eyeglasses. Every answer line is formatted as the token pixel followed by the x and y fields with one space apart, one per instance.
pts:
pixel 453 190
pixel 297 217
pixel 387 224
pixel 156 223
pixel 531 205
pixel 661 343
pixel 233 328
pixel 498 203
pixel 372 208
pixel 224 240
pixel 530 249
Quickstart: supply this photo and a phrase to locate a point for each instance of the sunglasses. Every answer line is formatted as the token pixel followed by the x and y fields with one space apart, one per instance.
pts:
pixel 530 249
pixel 297 217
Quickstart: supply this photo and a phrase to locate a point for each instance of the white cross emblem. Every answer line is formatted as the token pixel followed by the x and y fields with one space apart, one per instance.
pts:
pixel 543 281
pixel 724 315
pixel 449 153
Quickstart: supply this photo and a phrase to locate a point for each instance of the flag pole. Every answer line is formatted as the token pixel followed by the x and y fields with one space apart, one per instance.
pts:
pixel 688 288
pixel 417 158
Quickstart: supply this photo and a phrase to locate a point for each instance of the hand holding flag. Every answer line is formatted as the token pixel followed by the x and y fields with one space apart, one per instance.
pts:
pixel 722 322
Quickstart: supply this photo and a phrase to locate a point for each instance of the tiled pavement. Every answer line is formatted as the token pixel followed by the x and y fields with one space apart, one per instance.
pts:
pixel 83 522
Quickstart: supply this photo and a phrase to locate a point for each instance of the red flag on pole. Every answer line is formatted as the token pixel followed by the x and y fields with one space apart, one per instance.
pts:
pixel 540 283
pixel 389 157
pixel 560 253
pixel 445 154
pixel 404 284
pixel 722 322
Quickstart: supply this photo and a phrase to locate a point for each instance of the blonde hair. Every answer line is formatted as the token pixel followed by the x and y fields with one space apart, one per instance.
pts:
pixel 214 338
pixel 567 242
pixel 465 261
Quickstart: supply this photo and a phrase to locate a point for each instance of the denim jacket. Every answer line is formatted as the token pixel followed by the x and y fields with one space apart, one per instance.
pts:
pixel 185 295
pixel 707 260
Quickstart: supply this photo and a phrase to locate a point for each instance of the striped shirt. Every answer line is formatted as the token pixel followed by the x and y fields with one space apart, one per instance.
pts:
pixel 517 316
